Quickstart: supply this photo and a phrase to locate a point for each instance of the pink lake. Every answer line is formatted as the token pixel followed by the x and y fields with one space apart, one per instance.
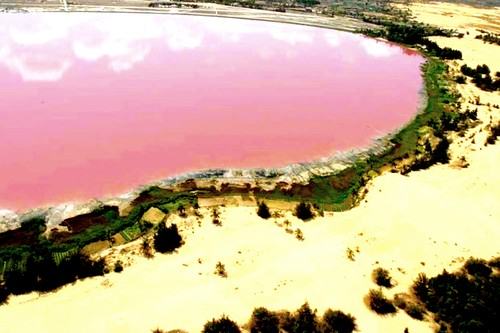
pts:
pixel 93 105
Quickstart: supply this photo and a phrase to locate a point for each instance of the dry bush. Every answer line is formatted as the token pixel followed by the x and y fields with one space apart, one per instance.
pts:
pixel 378 303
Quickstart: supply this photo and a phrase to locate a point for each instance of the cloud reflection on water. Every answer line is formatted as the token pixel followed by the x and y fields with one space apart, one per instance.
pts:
pixel 123 41
pixel 34 67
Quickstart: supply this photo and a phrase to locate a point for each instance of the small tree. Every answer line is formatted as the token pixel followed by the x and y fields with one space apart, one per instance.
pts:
pixel 303 320
pixel 263 210
pixel 338 322
pixel 382 277
pixel 167 239
pixel 264 321
pixel 420 287
pixel 221 325
pixel 304 211
pixel 379 303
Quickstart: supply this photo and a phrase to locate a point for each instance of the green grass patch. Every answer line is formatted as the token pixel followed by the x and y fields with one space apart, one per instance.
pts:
pixel 60 256
pixel 131 233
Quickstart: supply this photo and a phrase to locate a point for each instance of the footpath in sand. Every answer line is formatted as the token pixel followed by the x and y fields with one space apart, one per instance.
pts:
pixel 423 222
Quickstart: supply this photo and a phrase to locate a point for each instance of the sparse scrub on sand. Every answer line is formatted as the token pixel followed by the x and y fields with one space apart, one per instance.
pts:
pixel 216 217
pixel 378 303
pixel 351 255
pixel 382 277
pixel 304 211
pixel 299 235
pixel 157 330
pixel 146 248
pixel 221 325
pixel 263 210
pixel 167 239
pixel 220 270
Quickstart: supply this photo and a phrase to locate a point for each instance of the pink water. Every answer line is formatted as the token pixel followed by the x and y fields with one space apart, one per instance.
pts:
pixel 95 104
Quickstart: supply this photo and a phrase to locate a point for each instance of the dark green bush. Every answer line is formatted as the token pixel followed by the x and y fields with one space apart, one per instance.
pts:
pixel 304 211
pixel 460 79
pixel 337 322
pixel 4 294
pixel 477 267
pixel 303 320
pixel 382 277
pixel 264 321
pixel 466 301
pixel 118 267
pixel 221 325
pixel 167 239
pixel 415 311
pixel 263 210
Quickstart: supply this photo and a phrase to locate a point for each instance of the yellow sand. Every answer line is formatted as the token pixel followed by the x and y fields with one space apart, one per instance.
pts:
pixel 422 222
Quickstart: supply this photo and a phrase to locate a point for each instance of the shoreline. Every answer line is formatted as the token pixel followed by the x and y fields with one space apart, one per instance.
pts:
pixel 215 10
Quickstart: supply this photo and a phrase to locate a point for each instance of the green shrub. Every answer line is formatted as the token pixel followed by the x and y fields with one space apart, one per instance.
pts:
pixel 264 321
pixel 221 325
pixel 263 210
pixel 338 322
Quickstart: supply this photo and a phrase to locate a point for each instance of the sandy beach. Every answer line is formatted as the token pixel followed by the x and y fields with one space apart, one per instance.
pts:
pixel 425 221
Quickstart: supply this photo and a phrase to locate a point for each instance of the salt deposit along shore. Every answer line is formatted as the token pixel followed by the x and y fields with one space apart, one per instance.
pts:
pixel 424 221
